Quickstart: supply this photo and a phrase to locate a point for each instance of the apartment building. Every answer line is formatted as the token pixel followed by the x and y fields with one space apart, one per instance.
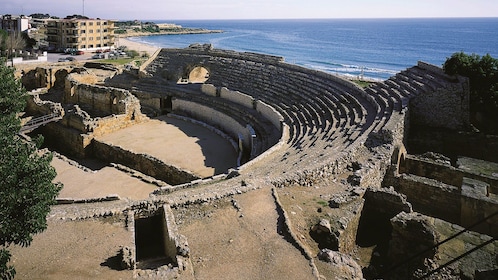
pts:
pixel 13 23
pixel 80 34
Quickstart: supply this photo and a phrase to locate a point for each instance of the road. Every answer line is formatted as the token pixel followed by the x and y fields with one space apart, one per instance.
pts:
pixel 54 57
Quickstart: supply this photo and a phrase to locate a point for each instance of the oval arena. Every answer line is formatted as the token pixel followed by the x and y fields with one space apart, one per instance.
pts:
pixel 309 161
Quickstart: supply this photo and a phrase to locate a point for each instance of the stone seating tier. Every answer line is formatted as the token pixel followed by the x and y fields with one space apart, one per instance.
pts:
pixel 325 114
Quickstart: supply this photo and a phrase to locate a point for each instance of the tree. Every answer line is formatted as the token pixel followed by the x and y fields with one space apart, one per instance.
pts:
pixel 26 188
pixel 483 78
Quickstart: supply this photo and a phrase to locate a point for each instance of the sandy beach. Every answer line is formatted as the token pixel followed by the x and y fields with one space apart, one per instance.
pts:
pixel 139 47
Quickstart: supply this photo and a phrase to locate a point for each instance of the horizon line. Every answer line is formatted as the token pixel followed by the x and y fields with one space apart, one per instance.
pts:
pixel 341 18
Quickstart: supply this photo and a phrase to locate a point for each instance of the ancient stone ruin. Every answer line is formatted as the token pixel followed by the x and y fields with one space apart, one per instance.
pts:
pixel 396 167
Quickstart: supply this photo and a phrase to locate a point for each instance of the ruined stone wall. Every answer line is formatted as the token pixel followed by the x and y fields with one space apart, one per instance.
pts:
pixel 141 162
pixel 476 205
pixel 431 197
pixel 36 107
pixel 67 140
pixel 445 107
pixel 44 77
pixel 452 143
pixel 444 173
pixel 104 99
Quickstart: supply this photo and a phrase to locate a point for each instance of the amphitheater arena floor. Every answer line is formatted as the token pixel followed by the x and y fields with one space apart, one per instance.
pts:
pixel 179 143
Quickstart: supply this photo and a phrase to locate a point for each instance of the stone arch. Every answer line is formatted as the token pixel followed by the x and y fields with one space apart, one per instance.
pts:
pixel 398 159
pixel 198 74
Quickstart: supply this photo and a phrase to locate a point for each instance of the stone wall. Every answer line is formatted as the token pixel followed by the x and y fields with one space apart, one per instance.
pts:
pixel 452 143
pixel 445 173
pixel 214 118
pixel 476 206
pixel 237 97
pixel 430 197
pixel 176 246
pixel 444 107
pixel 103 99
pixel 143 163
pixel 44 77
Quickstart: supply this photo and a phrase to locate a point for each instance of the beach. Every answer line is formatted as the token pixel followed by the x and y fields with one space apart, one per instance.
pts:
pixel 139 47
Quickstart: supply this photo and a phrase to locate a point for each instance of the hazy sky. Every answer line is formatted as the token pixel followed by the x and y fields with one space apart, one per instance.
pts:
pixel 255 9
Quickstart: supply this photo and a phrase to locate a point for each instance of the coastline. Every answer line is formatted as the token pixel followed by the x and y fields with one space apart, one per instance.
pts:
pixel 138 46
pixel 123 39
pixel 183 31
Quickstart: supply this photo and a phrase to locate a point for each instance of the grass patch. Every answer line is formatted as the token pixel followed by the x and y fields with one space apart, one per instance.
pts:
pixel 322 203
pixel 362 83
pixel 119 61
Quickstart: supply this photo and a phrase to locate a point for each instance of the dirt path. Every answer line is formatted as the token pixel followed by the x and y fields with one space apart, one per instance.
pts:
pixel 246 244
pixel 73 250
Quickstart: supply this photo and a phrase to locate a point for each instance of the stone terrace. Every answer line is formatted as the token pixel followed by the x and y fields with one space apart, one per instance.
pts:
pixel 329 118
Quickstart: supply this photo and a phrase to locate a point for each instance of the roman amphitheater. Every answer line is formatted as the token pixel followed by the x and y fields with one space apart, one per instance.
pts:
pixel 216 164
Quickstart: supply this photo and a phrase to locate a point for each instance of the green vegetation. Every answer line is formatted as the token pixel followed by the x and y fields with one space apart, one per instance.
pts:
pixel 362 83
pixel 483 77
pixel 322 203
pixel 118 61
pixel 26 188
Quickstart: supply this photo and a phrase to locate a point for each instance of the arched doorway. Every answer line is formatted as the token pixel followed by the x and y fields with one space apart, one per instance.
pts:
pixel 198 75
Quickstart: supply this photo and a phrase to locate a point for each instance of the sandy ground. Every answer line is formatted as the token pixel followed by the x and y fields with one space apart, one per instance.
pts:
pixel 179 143
pixel 139 47
pixel 246 244
pixel 79 184
pixel 74 250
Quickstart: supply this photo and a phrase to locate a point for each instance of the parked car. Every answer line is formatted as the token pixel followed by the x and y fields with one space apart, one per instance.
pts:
pixel 66 59
pixel 98 56
pixel 78 52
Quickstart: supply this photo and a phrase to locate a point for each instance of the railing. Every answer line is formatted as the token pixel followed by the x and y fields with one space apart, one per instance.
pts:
pixel 39 121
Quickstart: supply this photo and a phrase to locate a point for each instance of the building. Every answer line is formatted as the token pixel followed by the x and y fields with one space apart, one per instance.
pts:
pixel 14 24
pixel 80 34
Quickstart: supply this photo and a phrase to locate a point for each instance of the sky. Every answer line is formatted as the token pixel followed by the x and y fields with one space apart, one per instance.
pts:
pixel 255 9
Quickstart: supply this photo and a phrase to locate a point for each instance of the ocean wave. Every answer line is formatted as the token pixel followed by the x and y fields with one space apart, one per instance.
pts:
pixel 353 71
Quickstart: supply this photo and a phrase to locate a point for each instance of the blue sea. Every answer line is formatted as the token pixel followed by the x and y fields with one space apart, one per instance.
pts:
pixel 368 48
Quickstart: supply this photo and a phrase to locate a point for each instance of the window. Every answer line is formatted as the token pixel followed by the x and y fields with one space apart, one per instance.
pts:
pixel 98 38
pixel 90 23
pixel 83 46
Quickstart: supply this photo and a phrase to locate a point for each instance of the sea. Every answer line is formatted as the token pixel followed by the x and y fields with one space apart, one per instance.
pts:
pixel 359 48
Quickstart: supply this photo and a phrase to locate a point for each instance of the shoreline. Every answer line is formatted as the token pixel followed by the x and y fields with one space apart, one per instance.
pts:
pixel 123 39
pixel 138 46
pixel 186 31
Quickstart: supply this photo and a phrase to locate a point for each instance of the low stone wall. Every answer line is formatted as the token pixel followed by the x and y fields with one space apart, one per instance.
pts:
pixel 431 197
pixel 141 162
pixel 175 244
pixel 237 97
pixel 214 118
pixel 477 206
pixel 445 173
